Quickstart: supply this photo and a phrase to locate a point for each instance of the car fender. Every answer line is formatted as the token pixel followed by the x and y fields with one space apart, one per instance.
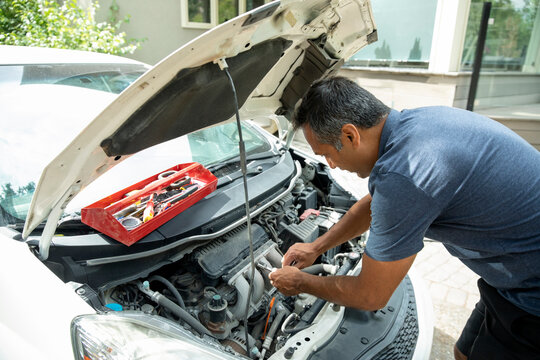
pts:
pixel 35 305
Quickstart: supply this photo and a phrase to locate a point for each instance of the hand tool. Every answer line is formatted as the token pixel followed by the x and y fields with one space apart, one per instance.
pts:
pixel 125 211
pixel 184 194
pixel 134 208
pixel 130 210
pixel 148 213
pixel 149 204
pixel 263 266
pixel 167 203
pixel 186 180
pixel 130 222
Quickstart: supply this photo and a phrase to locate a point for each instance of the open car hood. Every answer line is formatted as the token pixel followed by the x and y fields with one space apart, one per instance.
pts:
pixel 274 53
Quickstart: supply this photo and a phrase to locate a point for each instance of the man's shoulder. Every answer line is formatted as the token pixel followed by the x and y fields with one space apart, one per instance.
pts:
pixel 440 148
pixel 436 147
pixel 435 109
pixel 440 113
pixel 447 129
pixel 413 137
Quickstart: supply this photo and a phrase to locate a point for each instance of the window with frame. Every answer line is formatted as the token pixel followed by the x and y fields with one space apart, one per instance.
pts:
pixel 405 32
pixel 512 40
pixel 205 14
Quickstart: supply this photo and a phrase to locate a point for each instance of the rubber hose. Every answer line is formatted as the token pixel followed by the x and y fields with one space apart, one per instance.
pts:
pixel 314 269
pixel 319 303
pixel 311 314
pixel 181 313
pixel 275 324
pixel 171 288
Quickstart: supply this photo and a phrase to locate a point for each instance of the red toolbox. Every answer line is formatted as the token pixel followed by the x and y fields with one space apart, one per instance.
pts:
pixel 131 213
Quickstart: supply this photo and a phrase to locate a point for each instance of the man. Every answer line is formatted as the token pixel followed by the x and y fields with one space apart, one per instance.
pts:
pixel 448 174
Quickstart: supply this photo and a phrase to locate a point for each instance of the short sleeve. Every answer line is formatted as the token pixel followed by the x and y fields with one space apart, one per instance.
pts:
pixel 401 213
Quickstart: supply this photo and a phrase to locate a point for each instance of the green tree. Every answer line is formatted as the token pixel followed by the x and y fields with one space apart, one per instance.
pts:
pixel 227 10
pixel 47 23
pixel 7 195
pixel 27 189
pixel 416 50
pixel 508 36
pixel 383 51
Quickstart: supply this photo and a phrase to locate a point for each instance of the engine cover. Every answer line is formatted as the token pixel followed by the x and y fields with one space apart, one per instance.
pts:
pixel 220 256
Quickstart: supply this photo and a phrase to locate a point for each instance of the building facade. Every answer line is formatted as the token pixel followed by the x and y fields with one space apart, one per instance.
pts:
pixel 423 57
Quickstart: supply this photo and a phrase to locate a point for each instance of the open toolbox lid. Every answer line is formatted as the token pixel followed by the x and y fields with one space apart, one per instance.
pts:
pixel 113 215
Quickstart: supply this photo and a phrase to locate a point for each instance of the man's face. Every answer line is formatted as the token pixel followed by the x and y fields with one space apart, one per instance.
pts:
pixel 349 158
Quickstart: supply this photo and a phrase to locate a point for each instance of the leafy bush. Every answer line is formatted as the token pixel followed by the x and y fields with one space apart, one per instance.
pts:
pixel 46 23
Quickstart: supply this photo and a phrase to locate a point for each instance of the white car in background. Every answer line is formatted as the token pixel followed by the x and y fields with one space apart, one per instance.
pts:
pixel 72 292
pixel 21 65
pixel 47 96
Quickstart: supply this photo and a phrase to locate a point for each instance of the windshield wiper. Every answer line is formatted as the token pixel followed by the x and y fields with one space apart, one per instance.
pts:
pixel 236 159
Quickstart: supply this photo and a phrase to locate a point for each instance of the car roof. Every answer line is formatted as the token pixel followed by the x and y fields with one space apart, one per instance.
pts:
pixel 25 55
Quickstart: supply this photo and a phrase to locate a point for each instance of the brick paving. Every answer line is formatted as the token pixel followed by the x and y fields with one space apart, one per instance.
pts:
pixel 453 293
pixel 452 285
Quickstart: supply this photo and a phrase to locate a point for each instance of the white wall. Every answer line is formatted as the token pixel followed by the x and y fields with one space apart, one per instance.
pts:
pixel 409 88
pixel 405 89
pixel 159 21
pixel 448 35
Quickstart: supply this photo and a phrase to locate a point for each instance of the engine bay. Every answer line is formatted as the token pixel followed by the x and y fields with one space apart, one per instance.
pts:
pixel 195 274
pixel 213 286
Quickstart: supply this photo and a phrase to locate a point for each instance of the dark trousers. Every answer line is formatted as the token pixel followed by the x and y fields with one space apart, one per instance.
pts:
pixel 497 329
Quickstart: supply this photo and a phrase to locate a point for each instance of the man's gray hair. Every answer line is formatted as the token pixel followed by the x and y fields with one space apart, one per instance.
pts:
pixel 331 103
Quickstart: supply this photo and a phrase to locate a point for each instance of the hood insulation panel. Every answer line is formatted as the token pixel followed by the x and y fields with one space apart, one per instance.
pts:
pixel 195 98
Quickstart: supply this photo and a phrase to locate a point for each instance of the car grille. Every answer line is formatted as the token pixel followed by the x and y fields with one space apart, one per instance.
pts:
pixel 402 348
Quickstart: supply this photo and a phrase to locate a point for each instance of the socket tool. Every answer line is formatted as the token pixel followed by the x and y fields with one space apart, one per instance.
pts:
pixel 263 266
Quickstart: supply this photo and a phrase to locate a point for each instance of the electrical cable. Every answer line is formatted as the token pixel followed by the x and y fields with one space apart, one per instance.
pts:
pixel 223 65
pixel 268 317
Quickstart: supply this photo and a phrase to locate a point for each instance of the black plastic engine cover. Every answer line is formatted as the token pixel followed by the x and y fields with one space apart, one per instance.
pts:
pixel 218 257
pixel 388 334
pixel 307 231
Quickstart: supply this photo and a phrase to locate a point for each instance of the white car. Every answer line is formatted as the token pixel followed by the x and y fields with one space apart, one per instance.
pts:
pixel 190 289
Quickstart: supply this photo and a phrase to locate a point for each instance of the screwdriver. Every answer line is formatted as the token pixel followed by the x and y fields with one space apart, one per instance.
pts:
pixel 148 213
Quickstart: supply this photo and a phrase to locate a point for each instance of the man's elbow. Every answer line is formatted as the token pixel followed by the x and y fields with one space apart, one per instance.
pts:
pixel 373 302
pixel 375 306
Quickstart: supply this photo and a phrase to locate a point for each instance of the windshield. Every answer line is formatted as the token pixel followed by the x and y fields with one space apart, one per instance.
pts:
pixel 219 143
pixel 207 146
pixel 113 78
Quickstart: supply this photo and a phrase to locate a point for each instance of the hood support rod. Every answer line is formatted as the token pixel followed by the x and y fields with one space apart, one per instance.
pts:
pixel 224 67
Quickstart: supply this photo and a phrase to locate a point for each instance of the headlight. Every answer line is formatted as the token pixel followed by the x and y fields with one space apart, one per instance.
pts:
pixel 121 337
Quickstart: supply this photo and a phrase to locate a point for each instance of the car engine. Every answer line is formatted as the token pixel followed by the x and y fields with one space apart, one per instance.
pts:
pixel 211 289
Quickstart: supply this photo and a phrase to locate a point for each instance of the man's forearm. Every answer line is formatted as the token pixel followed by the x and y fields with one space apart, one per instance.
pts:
pixel 355 222
pixel 341 290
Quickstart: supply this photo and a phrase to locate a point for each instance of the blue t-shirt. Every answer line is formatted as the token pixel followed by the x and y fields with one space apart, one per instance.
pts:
pixel 468 182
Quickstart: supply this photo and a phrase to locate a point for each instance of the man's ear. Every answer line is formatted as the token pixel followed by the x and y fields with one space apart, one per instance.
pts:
pixel 350 134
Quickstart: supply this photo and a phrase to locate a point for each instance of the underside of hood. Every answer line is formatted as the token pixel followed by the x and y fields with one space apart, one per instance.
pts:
pixel 193 99
pixel 274 53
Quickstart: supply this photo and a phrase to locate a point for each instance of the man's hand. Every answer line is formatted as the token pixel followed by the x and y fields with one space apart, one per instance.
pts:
pixel 355 222
pixel 370 290
pixel 286 280
pixel 300 255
